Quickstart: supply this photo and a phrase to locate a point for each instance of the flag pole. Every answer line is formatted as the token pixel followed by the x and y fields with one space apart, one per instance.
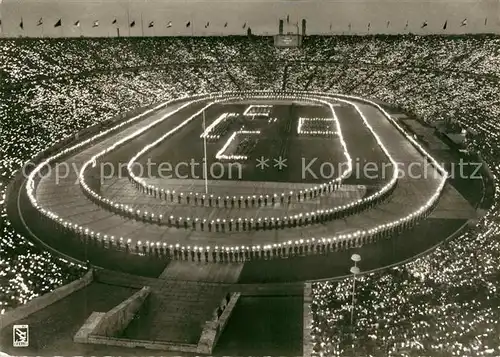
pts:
pixel 142 26
pixel 205 154
pixel 128 18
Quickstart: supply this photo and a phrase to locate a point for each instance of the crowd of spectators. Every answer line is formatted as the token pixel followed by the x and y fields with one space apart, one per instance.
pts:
pixel 443 304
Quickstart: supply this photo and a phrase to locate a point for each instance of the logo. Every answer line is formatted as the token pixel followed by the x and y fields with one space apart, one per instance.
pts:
pixel 20 336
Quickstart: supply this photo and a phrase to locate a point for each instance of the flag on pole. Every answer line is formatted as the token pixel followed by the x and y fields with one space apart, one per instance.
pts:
pixel 58 23
pixel 40 22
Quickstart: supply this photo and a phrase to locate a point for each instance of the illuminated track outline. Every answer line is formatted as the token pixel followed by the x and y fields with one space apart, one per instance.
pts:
pixel 31 189
pixel 140 181
pixel 129 212
pixel 318 190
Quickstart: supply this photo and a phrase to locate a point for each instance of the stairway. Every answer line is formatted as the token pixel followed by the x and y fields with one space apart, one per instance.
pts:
pixel 176 312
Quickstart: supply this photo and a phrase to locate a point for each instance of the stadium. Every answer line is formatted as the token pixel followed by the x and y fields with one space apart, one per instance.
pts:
pixel 289 178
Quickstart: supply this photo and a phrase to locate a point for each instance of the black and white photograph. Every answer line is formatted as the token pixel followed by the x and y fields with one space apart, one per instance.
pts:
pixel 315 178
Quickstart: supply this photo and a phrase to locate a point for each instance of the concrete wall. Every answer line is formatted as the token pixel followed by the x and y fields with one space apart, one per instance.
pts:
pixel 43 301
pixel 262 16
pixel 86 334
pixel 151 345
pixel 101 328
pixel 118 318
pixel 212 330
